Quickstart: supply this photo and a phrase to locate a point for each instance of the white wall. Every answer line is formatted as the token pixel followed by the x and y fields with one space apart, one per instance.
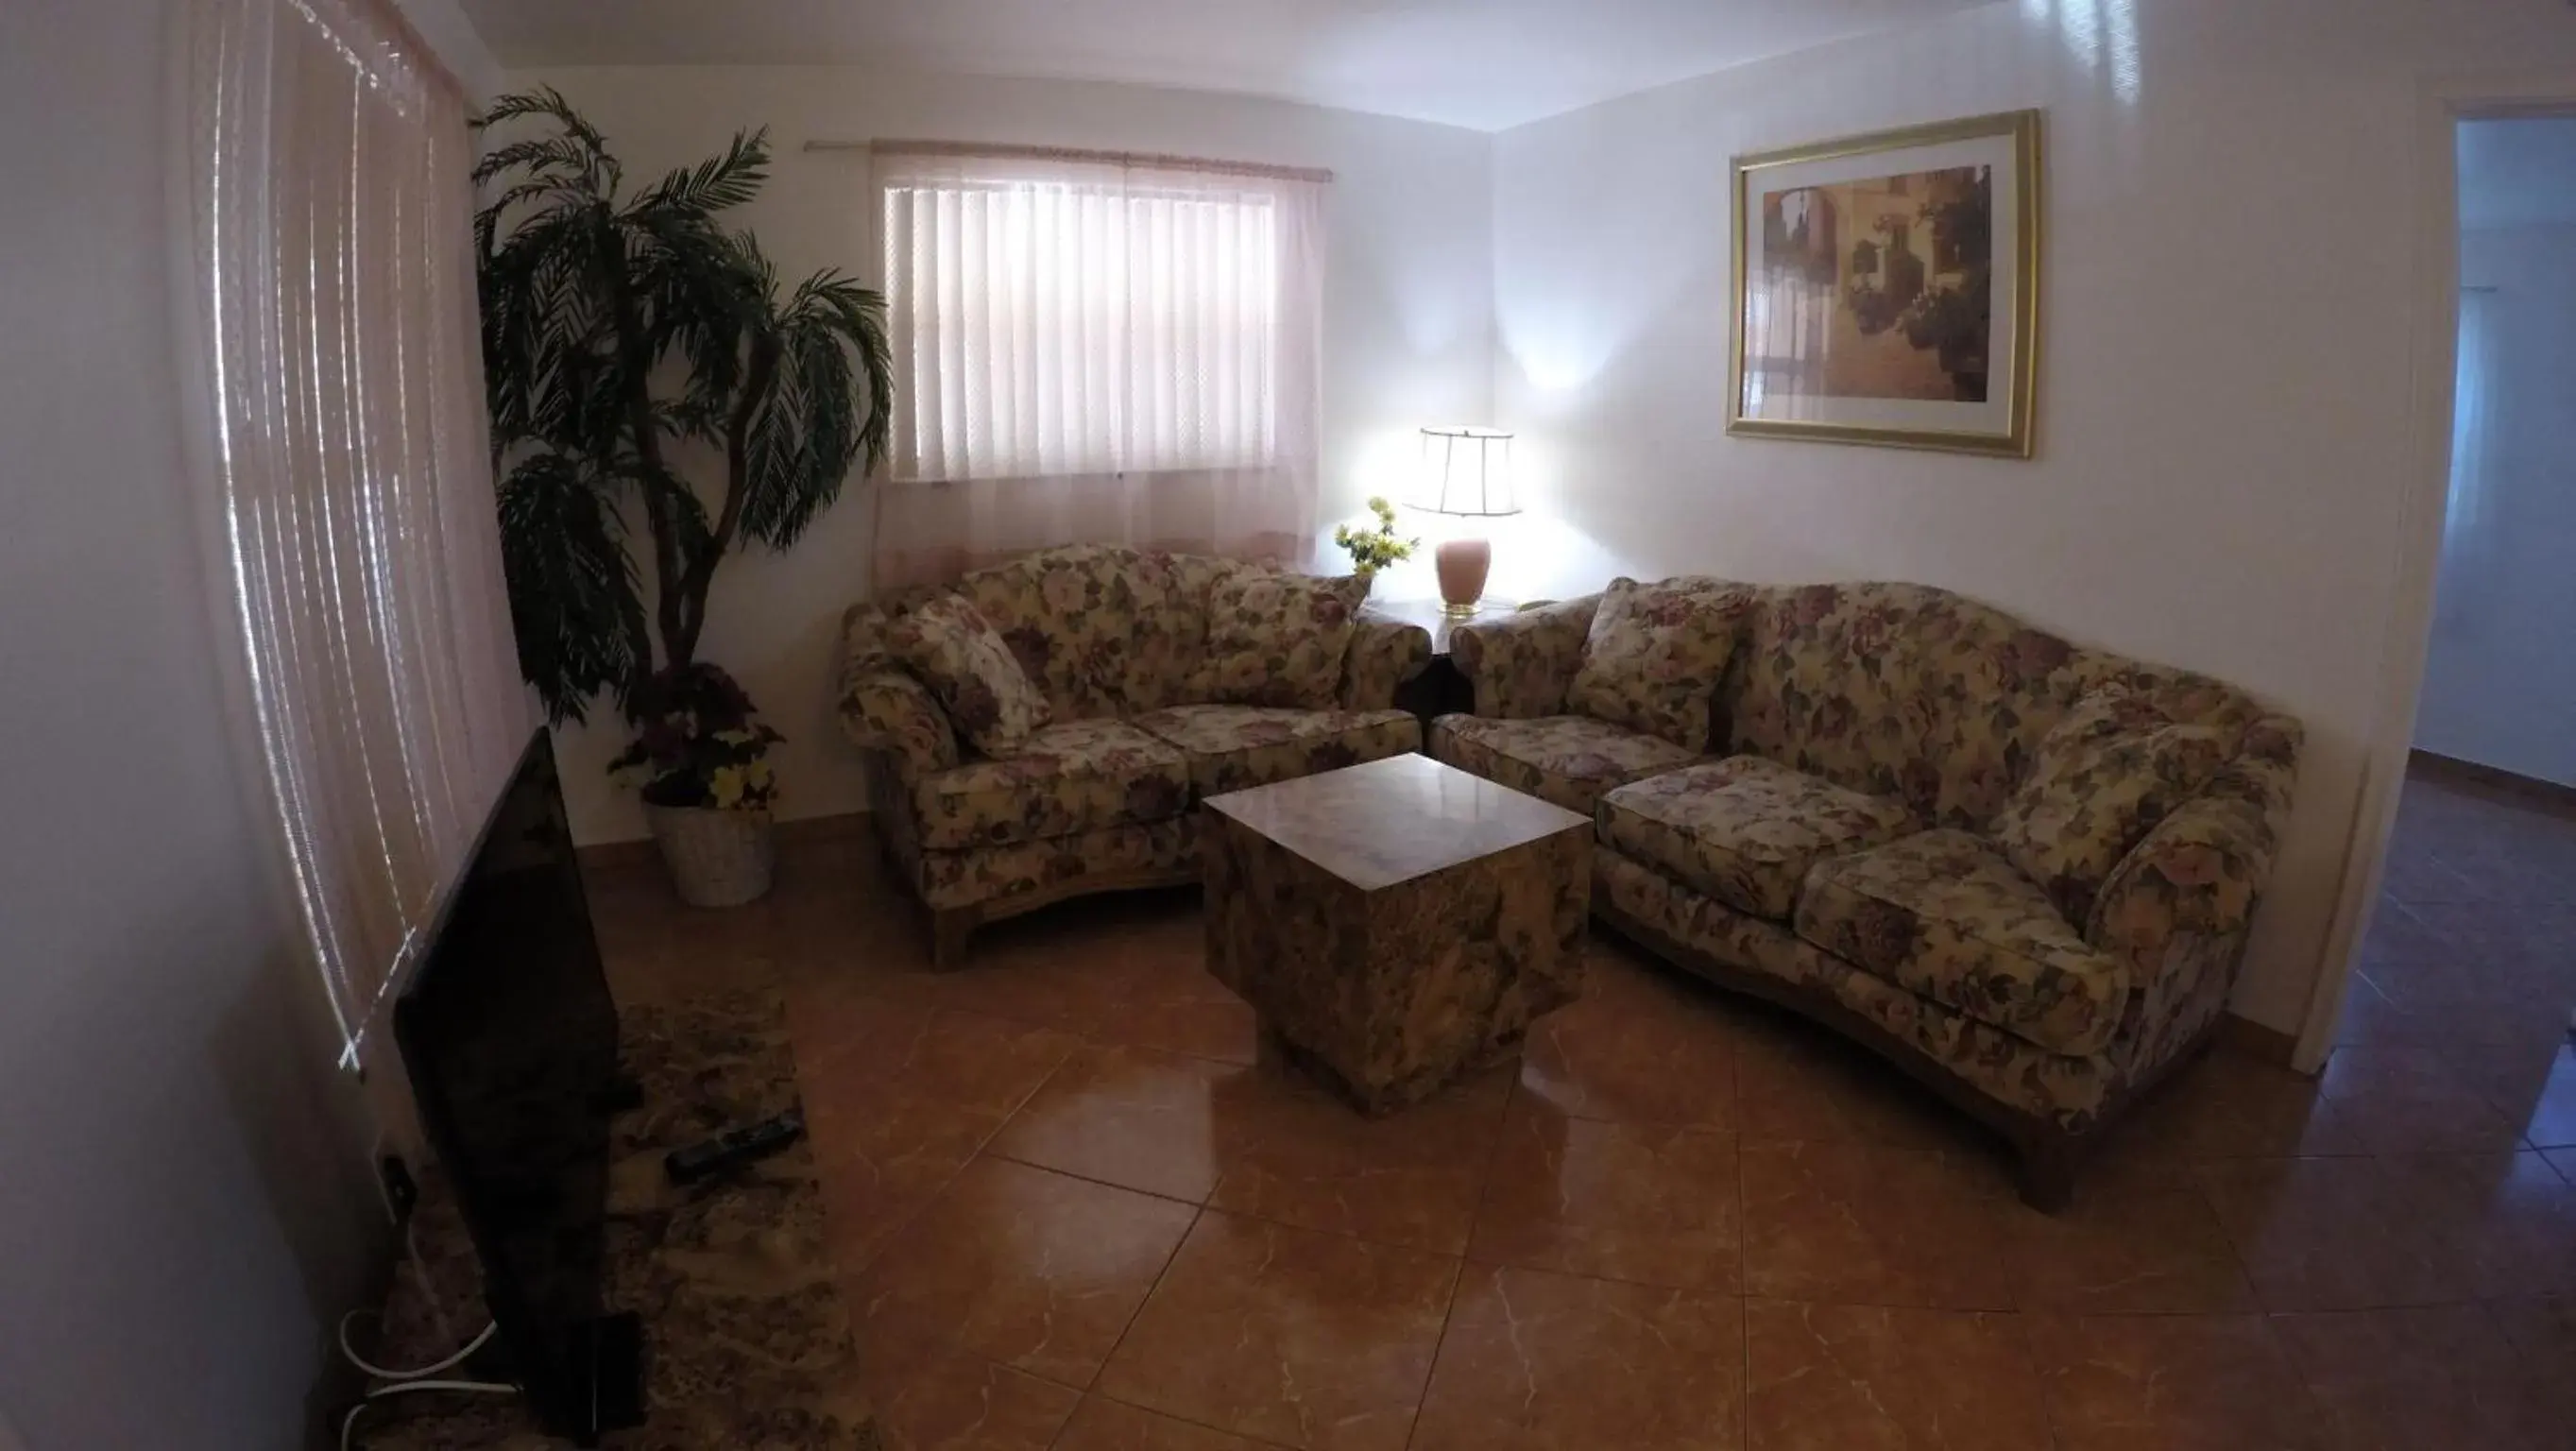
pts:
pixel 1408 317
pixel 180 1211
pixel 442 26
pixel 2500 685
pixel 2225 403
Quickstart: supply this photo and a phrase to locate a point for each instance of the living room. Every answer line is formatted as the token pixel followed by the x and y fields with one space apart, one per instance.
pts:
pixel 1188 986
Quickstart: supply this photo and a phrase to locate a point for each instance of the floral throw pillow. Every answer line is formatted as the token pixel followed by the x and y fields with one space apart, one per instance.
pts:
pixel 1655 655
pixel 2102 778
pixel 949 646
pixel 1278 639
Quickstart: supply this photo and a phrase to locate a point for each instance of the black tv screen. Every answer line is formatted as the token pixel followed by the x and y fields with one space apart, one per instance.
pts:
pixel 509 1037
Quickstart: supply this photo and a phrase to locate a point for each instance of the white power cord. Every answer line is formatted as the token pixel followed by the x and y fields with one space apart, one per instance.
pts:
pixel 405 1382
pixel 349 1422
pixel 383 1373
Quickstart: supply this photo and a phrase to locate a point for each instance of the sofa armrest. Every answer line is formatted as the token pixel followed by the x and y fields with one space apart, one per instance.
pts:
pixel 884 709
pixel 1521 665
pixel 1384 654
pixel 2177 909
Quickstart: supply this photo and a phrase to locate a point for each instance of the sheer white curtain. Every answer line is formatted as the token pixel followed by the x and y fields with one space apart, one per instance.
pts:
pixel 334 292
pixel 1098 350
pixel 2468 523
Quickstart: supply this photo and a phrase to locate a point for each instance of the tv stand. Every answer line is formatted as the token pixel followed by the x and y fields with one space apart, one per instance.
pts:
pixel 608 1359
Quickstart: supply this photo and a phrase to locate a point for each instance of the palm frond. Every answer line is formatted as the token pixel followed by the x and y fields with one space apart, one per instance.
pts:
pixel 703 295
pixel 809 435
pixel 551 158
pixel 579 146
pixel 539 309
pixel 714 184
pixel 574 606
pixel 487 219
pixel 543 101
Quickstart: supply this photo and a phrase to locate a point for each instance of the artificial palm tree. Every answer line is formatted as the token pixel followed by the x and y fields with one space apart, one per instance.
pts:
pixel 616 324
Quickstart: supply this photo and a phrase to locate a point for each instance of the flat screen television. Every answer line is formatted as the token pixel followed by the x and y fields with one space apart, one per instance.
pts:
pixel 509 1037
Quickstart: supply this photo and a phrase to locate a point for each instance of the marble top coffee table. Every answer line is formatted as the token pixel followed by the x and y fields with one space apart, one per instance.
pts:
pixel 1395 925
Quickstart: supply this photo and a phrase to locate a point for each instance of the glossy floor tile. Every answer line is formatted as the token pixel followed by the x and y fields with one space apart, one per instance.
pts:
pixel 1863 1377
pixel 1073 1208
pixel 1551 1362
pixel 1288 1335
pixel 1858 1225
pixel 1296 1154
pixel 1652 1203
pixel 2427 1378
pixel 2165 1382
pixel 1037 1270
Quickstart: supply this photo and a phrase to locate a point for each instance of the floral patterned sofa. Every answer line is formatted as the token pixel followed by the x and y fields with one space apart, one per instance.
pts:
pixel 2021 870
pixel 1165 679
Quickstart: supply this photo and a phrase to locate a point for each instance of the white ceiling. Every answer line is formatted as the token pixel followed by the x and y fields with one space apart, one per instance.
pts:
pixel 1487 64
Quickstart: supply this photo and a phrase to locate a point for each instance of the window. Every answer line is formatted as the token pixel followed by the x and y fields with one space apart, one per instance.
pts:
pixel 334 295
pixel 1085 320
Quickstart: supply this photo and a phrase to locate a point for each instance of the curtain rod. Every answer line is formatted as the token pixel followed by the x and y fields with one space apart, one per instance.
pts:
pixel 1064 153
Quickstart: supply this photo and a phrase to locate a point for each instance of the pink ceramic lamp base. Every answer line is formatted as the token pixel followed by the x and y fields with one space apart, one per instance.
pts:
pixel 1463 565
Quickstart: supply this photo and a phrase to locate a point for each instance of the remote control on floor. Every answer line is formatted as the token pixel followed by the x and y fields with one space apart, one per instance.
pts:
pixel 737 1146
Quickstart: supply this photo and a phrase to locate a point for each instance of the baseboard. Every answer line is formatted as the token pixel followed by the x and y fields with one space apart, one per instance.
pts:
pixel 2254 1040
pixel 628 855
pixel 2433 765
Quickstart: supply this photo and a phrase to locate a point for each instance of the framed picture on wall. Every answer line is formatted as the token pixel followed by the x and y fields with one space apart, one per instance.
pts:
pixel 1887 288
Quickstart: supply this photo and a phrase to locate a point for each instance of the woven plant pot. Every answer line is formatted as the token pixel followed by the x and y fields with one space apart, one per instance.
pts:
pixel 717 858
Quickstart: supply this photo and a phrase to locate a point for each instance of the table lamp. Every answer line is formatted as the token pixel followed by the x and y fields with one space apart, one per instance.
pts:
pixel 1466 473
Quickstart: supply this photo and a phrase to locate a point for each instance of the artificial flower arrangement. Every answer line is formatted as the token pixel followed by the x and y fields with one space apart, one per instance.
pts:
pixel 697 744
pixel 1374 549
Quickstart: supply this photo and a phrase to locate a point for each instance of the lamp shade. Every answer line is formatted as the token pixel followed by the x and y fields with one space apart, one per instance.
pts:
pixel 1466 471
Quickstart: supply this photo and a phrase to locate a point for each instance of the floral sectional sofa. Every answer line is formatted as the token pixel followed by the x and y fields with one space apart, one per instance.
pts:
pixel 2021 870
pixel 1136 684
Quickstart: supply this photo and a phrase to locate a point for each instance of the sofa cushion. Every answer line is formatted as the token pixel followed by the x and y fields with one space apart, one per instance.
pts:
pixel 949 646
pixel 1655 655
pixel 1899 690
pixel 1745 830
pixel 2105 774
pixel 1278 639
pixel 1073 776
pixel 1231 747
pixel 1566 759
pixel 1942 914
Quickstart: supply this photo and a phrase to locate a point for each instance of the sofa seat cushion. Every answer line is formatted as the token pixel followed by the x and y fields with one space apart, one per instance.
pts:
pixel 1231 747
pixel 1943 915
pixel 1565 759
pixel 1073 776
pixel 1745 830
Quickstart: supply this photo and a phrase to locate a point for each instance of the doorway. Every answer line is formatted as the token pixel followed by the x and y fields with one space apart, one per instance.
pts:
pixel 2459 1009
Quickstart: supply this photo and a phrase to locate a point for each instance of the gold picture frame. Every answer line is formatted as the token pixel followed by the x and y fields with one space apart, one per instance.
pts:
pixel 1887 285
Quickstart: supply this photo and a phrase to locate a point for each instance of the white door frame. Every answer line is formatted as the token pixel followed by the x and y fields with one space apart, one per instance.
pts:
pixel 2440 106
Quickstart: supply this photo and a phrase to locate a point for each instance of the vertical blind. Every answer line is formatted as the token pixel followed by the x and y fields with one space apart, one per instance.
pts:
pixel 334 290
pixel 1104 349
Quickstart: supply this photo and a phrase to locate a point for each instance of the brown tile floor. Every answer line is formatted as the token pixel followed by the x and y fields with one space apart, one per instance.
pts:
pixel 1070 1211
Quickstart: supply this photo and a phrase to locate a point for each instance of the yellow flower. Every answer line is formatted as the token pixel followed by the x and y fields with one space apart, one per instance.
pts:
pixel 726 786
